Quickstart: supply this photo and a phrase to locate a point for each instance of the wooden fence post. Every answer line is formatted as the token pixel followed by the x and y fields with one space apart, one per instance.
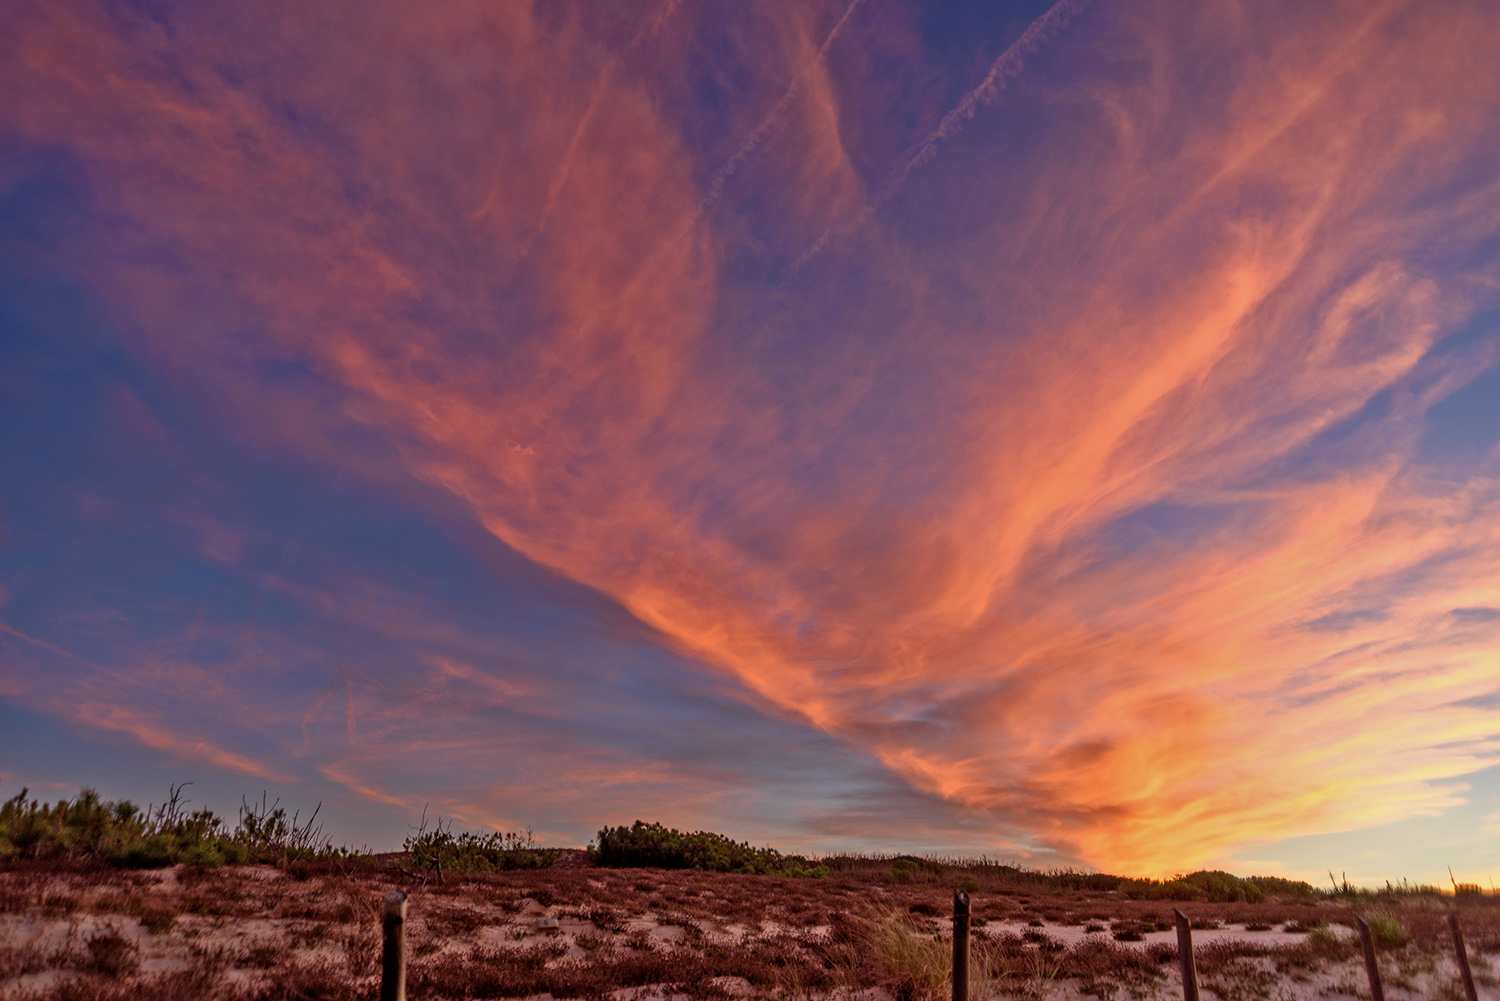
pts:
pixel 1463 957
pixel 1185 957
pixel 393 956
pixel 1372 969
pixel 960 946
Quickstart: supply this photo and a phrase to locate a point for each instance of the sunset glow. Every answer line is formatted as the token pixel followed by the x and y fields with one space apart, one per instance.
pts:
pixel 1070 432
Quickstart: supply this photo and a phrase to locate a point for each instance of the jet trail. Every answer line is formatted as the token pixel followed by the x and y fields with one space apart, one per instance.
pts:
pixel 565 167
pixel 1006 66
pixel 774 117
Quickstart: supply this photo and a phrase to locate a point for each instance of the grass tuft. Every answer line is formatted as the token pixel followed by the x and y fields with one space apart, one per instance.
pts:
pixel 914 966
pixel 1386 930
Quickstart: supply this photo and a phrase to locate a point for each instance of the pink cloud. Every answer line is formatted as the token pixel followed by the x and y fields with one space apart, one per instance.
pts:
pixel 887 496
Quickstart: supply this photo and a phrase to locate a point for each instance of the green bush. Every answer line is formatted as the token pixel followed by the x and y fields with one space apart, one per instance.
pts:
pixel 1386 930
pixel 644 844
pixel 440 849
pixel 1321 934
pixel 1275 886
pixel 1211 885
pixel 91 829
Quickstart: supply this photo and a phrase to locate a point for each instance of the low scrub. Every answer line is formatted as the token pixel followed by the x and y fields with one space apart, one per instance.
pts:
pixel 1214 886
pixel 442 850
pixel 905 867
pixel 90 829
pixel 1386 930
pixel 1276 886
pixel 652 845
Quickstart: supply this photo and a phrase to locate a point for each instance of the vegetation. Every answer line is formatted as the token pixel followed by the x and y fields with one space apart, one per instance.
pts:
pixel 119 833
pixel 1275 886
pixel 91 830
pixel 1321 934
pixel 440 849
pixel 1215 887
pixel 310 930
pixel 904 867
pixel 1386 930
pixel 914 965
pixel 644 844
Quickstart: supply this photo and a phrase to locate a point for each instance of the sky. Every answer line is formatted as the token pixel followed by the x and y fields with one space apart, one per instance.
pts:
pixel 1064 433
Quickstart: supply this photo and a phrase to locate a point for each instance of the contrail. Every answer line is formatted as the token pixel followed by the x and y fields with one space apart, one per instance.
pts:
pixel 774 117
pixel 47 646
pixel 565 167
pixel 1008 65
pixel 1005 67
pixel 605 75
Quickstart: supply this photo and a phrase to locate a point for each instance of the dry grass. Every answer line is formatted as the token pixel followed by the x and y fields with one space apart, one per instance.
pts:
pixel 913 963
pixel 258 933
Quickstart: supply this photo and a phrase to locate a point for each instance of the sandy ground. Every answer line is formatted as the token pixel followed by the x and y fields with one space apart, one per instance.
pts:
pixel 260 932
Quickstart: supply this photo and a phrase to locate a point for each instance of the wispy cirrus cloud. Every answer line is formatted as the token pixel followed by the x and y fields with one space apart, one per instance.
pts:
pixel 1095 488
pixel 778 111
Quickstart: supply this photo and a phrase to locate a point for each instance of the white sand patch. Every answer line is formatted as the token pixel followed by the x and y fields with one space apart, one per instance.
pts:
pixel 1071 935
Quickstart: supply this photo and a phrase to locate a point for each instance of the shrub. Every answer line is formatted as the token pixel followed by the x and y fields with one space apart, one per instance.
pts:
pixel 1321 934
pixel 91 829
pixel 159 920
pixel 1211 885
pixel 1386 930
pixel 441 849
pixel 112 954
pixel 904 869
pixel 644 844
pixel 1275 886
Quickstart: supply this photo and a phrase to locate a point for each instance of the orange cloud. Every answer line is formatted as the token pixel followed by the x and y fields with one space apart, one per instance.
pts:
pixel 150 733
pixel 1062 487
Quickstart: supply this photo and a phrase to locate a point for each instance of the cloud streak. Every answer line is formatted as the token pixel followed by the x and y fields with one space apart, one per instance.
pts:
pixel 1101 492
pixel 776 115
pixel 1006 66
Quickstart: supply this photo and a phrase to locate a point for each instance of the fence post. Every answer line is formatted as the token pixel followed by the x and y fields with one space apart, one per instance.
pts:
pixel 1185 957
pixel 393 957
pixel 1372 970
pixel 1463 957
pixel 960 946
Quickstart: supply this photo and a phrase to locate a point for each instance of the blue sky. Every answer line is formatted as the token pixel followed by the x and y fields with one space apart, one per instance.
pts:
pixel 1059 432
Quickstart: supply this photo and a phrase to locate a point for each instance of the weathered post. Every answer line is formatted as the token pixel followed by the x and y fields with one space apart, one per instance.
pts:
pixel 1185 957
pixel 393 957
pixel 1372 970
pixel 960 946
pixel 1463 957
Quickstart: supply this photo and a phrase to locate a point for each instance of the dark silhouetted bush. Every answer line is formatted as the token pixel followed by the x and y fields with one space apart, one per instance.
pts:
pixel 1211 885
pixel 653 845
pixel 1275 886
pixel 440 849
pixel 94 830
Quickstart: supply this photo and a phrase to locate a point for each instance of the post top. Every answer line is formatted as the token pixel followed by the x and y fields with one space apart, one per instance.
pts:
pixel 395 905
pixel 960 902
